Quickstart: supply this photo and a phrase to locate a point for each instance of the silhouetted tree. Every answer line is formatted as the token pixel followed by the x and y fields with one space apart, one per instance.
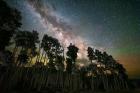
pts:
pixel 59 62
pixel 72 55
pixel 69 65
pixel 8 57
pixel 105 62
pixel 23 58
pixel 27 41
pixel 34 39
pixel 53 50
pixel 98 55
pixel 90 54
pixel 121 71
pixel 10 21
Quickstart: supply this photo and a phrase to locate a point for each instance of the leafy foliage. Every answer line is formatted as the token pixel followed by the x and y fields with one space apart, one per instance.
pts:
pixel 72 55
pixel 53 50
pixel 10 21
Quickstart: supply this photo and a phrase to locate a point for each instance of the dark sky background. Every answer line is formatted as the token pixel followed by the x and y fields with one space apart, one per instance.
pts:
pixel 111 25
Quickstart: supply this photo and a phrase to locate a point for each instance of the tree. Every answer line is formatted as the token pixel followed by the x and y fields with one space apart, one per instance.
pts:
pixel 23 58
pixel 34 39
pixel 90 54
pixel 98 55
pixel 59 62
pixel 8 57
pixel 10 21
pixel 53 50
pixel 106 63
pixel 27 41
pixel 121 71
pixel 72 55
pixel 69 65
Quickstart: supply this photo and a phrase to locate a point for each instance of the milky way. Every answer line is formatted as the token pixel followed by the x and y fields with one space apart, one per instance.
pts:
pixel 58 27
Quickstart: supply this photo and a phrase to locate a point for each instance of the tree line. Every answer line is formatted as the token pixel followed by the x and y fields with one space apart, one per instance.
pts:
pixel 26 47
pixel 26 43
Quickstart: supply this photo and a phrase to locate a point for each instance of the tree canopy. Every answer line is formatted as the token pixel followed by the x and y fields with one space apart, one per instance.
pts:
pixel 10 21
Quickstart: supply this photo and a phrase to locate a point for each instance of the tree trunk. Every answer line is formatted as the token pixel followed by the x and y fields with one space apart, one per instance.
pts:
pixel 37 59
pixel 14 53
pixel 40 59
pixel 45 58
pixel 30 60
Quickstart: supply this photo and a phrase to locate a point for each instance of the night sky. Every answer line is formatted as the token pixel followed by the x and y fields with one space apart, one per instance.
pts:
pixel 110 25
